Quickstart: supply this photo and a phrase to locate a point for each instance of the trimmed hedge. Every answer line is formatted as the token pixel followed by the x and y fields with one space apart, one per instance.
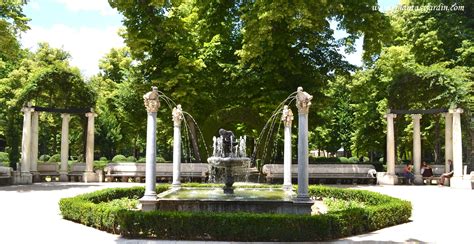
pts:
pixel 380 211
pixel 56 158
pixel 119 158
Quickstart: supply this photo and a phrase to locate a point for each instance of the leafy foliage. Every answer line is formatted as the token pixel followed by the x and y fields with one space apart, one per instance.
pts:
pixel 230 62
pixel 46 79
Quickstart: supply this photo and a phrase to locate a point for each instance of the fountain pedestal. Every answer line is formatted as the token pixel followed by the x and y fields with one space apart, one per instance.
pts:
pixel 229 181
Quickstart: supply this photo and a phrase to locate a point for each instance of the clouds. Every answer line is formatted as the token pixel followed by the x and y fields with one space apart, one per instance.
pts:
pixel 86 45
pixel 87 29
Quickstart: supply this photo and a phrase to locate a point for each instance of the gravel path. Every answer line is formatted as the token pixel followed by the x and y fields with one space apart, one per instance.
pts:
pixel 30 214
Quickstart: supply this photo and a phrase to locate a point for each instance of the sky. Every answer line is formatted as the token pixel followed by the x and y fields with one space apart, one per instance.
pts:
pixel 88 29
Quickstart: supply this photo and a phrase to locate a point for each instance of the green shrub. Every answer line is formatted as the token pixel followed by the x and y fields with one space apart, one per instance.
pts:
pixel 353 212
pixel 103 159
pixel 324 160
pixel 44 158
pixel 131 159
pixel 55 158
pixel 353 160
pixel 100 164
pixel 160 159
pixel 344 160
pixel 4 157
pixel 119 158
pixel 141 160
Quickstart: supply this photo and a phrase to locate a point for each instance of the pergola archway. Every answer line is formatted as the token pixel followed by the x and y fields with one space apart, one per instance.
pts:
pixel 29 143
pixel 453 144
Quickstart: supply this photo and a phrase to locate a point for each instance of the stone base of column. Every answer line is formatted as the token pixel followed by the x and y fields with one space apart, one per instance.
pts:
pixel 418 180
pixel 22 178
pixel 148 203
pixel 458 182
pixel 63 177
pixel 287 187
pixel 302 198
pixel 100 175
pixel 176 185
pixel 36 176
pixel 383 178
pixel 89 177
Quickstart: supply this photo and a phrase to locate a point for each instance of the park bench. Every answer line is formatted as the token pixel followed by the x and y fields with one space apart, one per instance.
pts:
pixel 325 173
pixel 77 171
pixel 5 176
pixel 438 170
pixel 48 170
pixel 164 171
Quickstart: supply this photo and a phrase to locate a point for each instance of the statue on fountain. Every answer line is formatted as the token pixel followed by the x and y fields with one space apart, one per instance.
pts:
pixel 151 101
pixel 303 100
pixel 227 141
pixel 228 154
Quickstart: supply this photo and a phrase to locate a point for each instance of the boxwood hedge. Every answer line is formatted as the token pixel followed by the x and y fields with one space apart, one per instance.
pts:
pixel 379 211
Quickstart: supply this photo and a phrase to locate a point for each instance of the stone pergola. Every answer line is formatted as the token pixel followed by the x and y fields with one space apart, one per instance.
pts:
pixel 453 144
pixel 29 143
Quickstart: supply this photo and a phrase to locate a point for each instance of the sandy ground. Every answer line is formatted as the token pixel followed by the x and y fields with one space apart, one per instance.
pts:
pixel 30 214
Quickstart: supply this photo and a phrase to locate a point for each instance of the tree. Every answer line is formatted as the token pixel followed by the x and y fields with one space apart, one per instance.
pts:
pixel 419 68
pixel 231 62
pixel 43 78
pixel 12 22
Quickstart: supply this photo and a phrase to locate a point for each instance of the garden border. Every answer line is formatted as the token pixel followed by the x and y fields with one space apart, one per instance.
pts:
pixel 380 211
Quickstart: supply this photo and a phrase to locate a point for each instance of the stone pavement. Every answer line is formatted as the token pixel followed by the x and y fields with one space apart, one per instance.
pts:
pixel 30 214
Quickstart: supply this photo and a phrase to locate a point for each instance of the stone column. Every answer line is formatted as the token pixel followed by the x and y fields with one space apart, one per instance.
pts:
pixel 457 180
pixel 89 175
pixel 448 140
pixel 64 147
pixel 177 119
pixel 148 201
pixel 287 119
pixel 303 101
pixel 26 177
pixel 390 178
pixel 34 146
pixel 417 148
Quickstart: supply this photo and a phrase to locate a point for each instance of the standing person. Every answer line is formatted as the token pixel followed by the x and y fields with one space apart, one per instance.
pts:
pixel 448 175
pixel 408 174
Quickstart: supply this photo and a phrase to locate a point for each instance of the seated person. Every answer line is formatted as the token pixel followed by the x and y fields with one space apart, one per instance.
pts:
pixel 408 174
pixel 426 171
pixel 448 175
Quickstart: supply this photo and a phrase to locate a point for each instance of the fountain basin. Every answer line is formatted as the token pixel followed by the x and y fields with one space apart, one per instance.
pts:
pixel 254 200
pixel 226 162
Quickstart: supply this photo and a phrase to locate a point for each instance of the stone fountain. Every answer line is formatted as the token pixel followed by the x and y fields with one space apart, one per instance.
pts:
pixel 229 154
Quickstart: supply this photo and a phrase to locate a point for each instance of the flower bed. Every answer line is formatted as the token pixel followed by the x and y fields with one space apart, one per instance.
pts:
pixel 375 211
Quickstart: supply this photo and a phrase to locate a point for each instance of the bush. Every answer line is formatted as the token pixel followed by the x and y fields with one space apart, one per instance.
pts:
pixel 160 159
pixel 344 160
pixel 100 164
pixel 44 158
pixel 131 159
pixel 119 158
pixel 56 158
pixel 362 212
pixel 103 159
pixel 353 160
pixel 324 160
pixel 4 157
pixel 141 160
